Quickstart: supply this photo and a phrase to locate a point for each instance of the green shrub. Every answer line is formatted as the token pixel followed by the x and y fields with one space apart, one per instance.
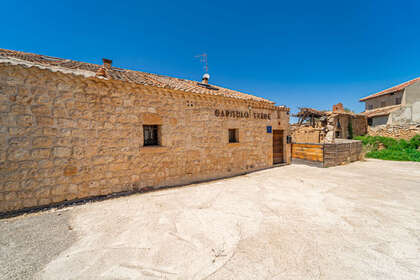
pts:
pixel 401 150
pixel 415 141
pixel 389 154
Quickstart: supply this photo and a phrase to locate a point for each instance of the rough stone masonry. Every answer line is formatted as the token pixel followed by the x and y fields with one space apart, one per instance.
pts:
pixel 66 136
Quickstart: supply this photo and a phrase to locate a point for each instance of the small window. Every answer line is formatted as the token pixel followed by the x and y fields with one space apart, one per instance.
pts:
pixel 383 104
pixel 151 135
pixel 233 135
pixel 370 107
pixel 370 122
pixel 337 134
pixel 338 124
pixel 397 100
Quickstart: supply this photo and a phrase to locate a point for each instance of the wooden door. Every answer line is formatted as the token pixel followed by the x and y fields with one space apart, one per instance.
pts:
pixel 277 146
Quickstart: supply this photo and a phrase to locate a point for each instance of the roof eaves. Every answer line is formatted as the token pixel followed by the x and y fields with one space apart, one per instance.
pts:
pixel 391 89
pixel 379 94
pixel 381 111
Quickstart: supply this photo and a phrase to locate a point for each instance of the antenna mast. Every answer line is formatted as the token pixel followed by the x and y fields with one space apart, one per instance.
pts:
pixel 203 59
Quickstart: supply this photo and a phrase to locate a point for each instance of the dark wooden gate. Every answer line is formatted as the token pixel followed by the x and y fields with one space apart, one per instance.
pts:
pixel 277 146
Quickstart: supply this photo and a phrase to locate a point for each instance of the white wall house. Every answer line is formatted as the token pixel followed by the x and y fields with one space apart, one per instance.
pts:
pixel 397 105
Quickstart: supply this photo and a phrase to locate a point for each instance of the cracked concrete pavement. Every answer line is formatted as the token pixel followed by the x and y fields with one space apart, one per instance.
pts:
pixel 358 221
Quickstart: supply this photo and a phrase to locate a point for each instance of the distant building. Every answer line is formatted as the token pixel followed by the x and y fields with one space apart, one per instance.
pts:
pixel 315 126
pixel 394 106
pixel 324 138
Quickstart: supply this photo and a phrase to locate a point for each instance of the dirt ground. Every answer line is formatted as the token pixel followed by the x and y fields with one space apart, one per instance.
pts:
pixel 359 221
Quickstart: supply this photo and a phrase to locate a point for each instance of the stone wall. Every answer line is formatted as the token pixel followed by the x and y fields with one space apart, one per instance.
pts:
pixel 395 131
pixel 342 152
pixel 359 125
pixel 306 134
pixel 327 133
pixel 379 120
pixel 66 137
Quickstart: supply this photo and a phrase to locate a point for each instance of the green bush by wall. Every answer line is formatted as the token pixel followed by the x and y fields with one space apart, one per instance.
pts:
pixel 393 149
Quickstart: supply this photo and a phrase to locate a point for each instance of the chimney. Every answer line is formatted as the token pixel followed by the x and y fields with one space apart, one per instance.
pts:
pixel 102 70
pixel 205 79
pixel 338 107
pixel 107 63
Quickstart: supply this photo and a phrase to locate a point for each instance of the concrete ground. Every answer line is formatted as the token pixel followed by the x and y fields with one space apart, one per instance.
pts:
pixel 359 221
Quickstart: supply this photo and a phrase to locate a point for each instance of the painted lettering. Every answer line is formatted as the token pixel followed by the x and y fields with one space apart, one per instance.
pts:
pixel 241 114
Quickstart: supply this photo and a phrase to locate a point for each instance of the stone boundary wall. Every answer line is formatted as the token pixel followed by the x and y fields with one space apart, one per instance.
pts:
pixel 395 131
pixel 65 137
pixel 342 152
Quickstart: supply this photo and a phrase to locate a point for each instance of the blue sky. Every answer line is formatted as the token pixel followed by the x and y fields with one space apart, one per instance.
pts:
pixel 296 53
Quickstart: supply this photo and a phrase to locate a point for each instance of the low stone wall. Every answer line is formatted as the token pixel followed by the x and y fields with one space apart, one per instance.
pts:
pixel 342 152
pixel 395 131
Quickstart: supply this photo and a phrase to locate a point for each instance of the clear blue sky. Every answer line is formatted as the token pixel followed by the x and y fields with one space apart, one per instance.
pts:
pixel 296 53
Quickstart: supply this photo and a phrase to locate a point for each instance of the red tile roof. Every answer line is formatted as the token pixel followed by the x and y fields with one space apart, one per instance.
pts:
pixel 390 90
pixel 143 78
pixel 381 111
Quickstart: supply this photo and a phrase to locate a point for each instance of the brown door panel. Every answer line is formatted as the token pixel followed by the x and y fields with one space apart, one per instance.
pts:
pixel 277 146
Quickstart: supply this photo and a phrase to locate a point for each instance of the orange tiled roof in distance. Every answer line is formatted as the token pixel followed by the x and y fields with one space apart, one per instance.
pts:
pixel 138 77
pixel 383 111
pixel 390 90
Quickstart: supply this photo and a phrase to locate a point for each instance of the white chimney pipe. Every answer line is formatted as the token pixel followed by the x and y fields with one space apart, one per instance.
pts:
pixel 205 79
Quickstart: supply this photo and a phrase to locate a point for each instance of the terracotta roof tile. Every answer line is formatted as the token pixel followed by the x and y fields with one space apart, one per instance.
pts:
pixel 392 89
pixel 381 111
pixel 138 77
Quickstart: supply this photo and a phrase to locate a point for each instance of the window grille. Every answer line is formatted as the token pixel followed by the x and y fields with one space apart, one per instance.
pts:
pixel 150 133
pixel 233 136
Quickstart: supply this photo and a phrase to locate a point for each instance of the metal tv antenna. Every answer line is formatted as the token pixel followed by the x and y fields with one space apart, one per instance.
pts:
pixel 203 59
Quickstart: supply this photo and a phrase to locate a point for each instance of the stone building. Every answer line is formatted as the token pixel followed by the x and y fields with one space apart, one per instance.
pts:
pixel 316 126
pixel 71 130
pixel 399 105
pixel 324 138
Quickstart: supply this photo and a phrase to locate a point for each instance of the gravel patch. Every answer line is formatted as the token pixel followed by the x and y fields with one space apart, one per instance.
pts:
pixel 28 243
